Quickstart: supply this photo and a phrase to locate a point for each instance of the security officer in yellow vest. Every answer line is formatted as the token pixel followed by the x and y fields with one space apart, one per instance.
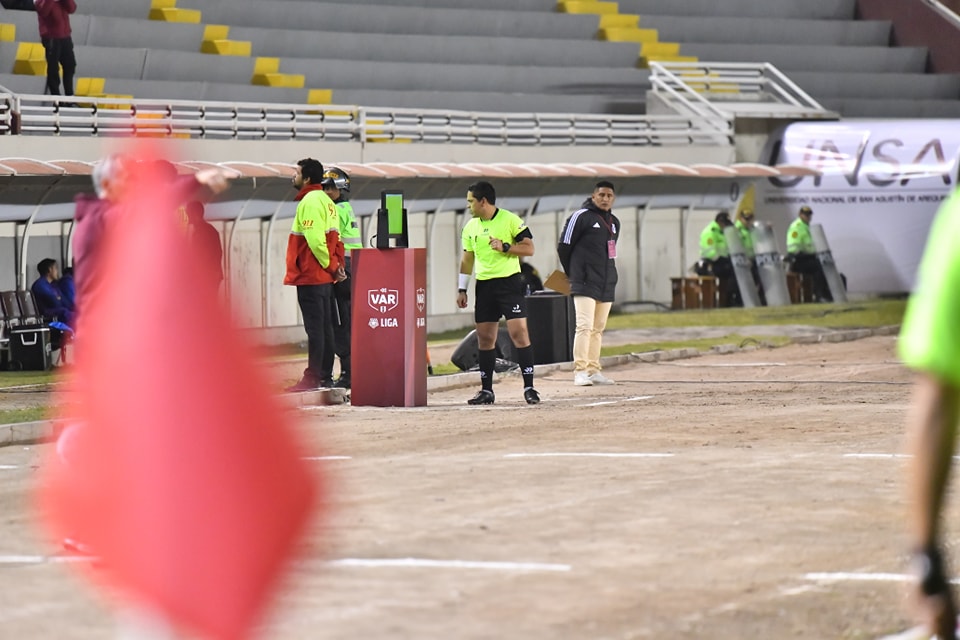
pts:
pixel 744 225
pixel 802 254
pixel 336 184
pixel 715 259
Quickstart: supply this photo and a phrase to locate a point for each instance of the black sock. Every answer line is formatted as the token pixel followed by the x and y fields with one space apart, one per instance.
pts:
pixel 525 356
pixel 487 360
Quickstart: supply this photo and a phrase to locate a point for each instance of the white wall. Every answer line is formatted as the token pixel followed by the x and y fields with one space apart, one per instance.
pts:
pixel 645 264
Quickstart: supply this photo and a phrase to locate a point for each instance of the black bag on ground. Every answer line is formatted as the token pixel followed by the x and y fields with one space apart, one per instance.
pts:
pixel 467 354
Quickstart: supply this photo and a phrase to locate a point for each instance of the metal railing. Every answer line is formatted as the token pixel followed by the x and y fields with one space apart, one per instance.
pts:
pixel 83 116
pixel 946 12
pixel 698 84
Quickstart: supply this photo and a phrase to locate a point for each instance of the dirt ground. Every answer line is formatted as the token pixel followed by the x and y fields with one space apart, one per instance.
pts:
pixel 759 478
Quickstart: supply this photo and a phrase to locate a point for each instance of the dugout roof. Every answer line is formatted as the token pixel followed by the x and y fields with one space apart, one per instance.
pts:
pixel 42 191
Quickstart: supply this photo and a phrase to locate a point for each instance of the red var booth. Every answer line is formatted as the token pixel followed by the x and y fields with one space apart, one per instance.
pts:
pixel 389 332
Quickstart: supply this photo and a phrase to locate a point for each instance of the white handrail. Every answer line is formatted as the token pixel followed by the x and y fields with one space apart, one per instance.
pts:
pixel 663 78
pixel 54 115
pixel 6 111
pixel 946 12
pixel 719 83
pixel 792 87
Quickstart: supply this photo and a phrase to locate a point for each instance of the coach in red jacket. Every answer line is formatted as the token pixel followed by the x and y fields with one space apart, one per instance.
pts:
pixel 54 19
pixel 314 263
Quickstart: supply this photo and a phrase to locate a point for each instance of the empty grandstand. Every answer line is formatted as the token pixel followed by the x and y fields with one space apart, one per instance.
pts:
pixel 577 56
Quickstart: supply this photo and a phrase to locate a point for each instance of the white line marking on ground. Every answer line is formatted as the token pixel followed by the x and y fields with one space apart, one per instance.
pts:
pixel 421 563
pixel 876 456
pixel 605 402
pixel 725 364
pixel 44 559
pixel 864 577
pixel 8 467
pixel 589 455
pixel 325 458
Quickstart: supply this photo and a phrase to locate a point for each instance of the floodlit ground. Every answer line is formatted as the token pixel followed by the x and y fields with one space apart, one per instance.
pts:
pixel 692 500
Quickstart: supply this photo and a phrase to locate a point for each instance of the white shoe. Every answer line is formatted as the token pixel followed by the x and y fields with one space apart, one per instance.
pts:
pixel 599 378
pixel 582 379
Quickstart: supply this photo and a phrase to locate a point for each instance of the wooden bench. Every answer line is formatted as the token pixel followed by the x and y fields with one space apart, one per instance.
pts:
pixel 696 292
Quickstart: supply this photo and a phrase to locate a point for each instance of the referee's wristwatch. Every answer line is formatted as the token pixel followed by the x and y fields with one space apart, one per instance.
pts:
pixel 506 247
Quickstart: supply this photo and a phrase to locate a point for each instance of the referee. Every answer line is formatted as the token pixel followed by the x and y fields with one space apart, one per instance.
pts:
pixel 930 345
pixel 493 241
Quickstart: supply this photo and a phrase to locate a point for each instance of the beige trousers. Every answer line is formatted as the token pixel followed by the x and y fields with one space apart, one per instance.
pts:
pixel 591 320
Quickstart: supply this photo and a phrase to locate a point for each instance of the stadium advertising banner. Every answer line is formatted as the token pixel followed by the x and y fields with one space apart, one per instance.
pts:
pixel 880 186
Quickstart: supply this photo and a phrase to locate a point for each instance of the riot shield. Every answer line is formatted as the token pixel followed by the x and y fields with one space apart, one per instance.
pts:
pixel 773 276
pixel 830 272
pixel 742 268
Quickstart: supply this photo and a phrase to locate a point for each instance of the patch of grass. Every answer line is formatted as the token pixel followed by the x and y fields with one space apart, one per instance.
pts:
pixel 12 416
pixel 864 314
pixel 445 368
pixel 21 378
pixel 703 344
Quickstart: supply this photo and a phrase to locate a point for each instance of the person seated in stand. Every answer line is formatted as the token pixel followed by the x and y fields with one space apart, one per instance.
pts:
pixel 68 288
pixel 46 293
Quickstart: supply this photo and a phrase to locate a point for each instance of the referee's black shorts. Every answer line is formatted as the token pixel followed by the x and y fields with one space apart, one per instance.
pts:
pixel 500 297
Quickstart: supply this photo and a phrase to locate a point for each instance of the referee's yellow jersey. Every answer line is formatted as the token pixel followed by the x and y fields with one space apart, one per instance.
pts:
pixel 488 262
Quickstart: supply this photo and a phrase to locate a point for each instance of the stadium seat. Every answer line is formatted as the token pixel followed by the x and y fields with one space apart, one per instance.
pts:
pixel 131 33
pixel 818 58
pixel 449 49
pixel 399 19
pixel 124 9
pixel 782 9
pixel 730 30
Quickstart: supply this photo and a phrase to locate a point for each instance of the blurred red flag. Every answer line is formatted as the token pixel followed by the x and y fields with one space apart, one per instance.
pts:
pixel 182 472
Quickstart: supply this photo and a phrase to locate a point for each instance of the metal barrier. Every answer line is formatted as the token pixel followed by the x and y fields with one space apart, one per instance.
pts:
pixel 703 87
pixel 6 119
pixel 59 115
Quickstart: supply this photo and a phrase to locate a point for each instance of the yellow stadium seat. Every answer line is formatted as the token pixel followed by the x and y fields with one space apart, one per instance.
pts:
pixel 216 40
pixel 266 72
pixel 588 6
pixel 227 47
pixel 619 21
pixel 645 62
pixel 320 96
pixel 92 87
pixel 167 11
pixel 655 49
pixel 630 35
pixel 30 59
pixel 8 33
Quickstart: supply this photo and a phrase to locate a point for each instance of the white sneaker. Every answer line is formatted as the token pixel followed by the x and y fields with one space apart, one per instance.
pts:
pixel 599 378
pixel 582 379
